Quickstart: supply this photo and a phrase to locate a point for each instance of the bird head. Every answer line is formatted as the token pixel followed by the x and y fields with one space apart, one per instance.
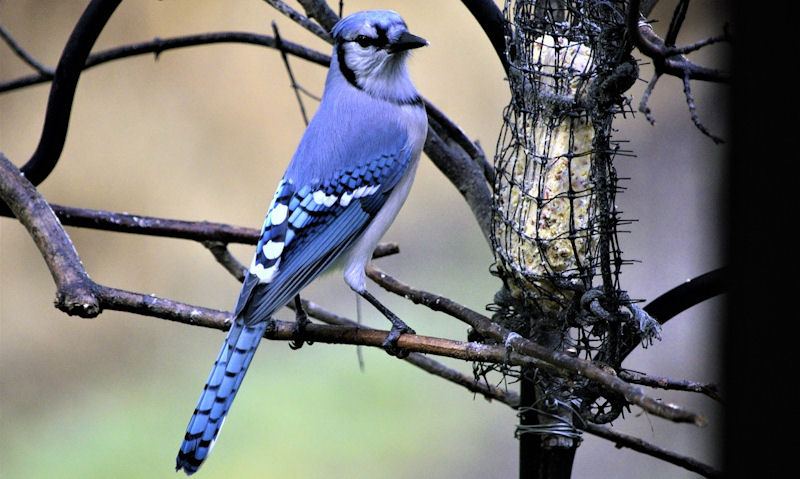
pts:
pixel 371 48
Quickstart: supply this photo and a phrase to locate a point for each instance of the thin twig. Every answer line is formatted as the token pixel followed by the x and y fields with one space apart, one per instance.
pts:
pixel 639 445
pixel 710 390
pixel 321 12
pixel 300 19
pixel 23 55
pixel 226 259
pixel 159 45
pixel 687 93
pixel 643 108
pixel 294 84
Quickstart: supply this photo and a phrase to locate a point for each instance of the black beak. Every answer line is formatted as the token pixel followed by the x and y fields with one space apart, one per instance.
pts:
pixel 407 41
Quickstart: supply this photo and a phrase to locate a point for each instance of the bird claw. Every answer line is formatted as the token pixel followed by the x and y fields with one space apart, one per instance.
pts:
pixel 298 332
pixel 390 343
pixel 301 320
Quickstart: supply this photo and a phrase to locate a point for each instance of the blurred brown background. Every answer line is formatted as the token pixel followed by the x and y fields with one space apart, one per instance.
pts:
pixel 204 133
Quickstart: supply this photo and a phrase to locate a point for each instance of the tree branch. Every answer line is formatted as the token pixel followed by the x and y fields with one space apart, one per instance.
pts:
pixel 666 59
pixel 300 19
pixel 321 12
pixel 710 390
pixel 160 45
pixel 443 149
pixel 78 294
pixel 75 292
pixel 491 20
pixel 62 91
pixel 568 365
pixel 468 179
pixel 22 54
pixel 639 445
pixel 421 361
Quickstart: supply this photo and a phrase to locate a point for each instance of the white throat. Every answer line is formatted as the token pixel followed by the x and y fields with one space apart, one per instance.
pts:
pixel 381 75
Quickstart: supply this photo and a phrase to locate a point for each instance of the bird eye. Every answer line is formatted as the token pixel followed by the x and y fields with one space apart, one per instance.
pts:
pixel 365 41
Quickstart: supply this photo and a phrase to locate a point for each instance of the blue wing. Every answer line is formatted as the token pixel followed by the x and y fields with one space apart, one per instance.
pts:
pixel 309 227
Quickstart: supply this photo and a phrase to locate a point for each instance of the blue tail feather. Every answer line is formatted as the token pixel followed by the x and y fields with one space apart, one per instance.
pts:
pixel 220 389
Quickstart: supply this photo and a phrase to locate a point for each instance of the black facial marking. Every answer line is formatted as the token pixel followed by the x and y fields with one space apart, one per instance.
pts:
pixel 380 41
pixel 347 72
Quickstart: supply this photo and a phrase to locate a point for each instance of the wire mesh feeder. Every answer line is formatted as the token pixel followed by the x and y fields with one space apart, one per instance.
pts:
pixel 555 221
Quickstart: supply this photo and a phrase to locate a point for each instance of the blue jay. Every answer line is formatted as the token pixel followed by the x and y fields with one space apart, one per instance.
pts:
pixel 342 189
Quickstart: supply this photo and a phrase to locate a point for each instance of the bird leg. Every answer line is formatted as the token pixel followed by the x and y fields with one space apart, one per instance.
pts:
pixel 398 327
pixel 301 320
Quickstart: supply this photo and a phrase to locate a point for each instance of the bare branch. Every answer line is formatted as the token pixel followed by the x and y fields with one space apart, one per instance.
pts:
pixel 226 259
pixel 300 19
pixel 639 445
pixel 76 293
pixel 62 92
pixel 423 362
pixel 152 226
pixel 295 86
pixel 567 364
pixel 666 59
pixel 321 12
pixel 710 390
pixel 687 93
pixel 466 176
pixel 22 54
pixel 159 45
pixel 491 20
pixel 420 360
pixel 448 129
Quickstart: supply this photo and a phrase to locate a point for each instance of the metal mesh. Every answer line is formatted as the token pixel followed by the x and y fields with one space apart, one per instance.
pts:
pixel 555 222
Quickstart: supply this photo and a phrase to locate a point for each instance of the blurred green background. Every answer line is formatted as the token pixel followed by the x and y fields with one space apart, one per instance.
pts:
pixel 204 133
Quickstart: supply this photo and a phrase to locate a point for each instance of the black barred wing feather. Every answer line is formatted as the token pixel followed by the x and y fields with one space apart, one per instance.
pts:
pixel 308 227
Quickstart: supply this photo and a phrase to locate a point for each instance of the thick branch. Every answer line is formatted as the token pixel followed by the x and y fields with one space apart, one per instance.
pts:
pixel 491 20
pixel 62 92
pixel 76 293
pixel 673 302
pixel 465 176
